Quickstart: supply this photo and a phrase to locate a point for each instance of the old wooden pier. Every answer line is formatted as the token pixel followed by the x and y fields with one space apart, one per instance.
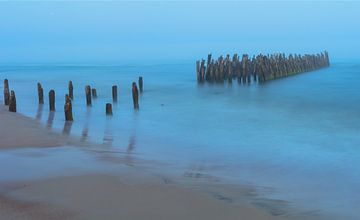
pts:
pixel 260 68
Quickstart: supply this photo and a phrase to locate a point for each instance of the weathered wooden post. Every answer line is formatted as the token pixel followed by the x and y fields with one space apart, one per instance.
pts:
pixel 88 95
pixel 94 93
pixel 71 90
pixel 108 109
pixel 6 92
pixel 141 84
pixel 68 109
pixel 135 94
pixel 40 94
pixel 12 102
pixel 52 100
pixel 114 93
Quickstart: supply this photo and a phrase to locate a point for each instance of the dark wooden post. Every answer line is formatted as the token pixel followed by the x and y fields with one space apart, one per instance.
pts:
pixel 40 94
pixel 52 100
pixel 141 84
pixel 6 92
pixel 68 109
pixel 94 93
pixel 108 109
pixel 71 90
pixel 135 94
pixel 12 102
pixel 88 95
pixel 114 93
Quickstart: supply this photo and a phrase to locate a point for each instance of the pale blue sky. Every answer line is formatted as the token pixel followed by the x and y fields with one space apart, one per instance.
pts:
pixel 121 32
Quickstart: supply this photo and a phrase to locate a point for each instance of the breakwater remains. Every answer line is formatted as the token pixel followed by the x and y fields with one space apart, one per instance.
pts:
pixel 260 68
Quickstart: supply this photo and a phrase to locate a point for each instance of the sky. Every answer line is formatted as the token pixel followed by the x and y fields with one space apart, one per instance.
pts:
pixel 118 32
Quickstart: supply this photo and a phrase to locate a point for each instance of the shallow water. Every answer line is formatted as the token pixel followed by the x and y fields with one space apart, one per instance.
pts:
pixel 299 136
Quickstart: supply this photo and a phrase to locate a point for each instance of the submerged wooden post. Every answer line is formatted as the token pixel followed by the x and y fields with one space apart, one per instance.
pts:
pixel 94 93
pixel 141 84
pixel 12 102
pixel 108 109
pixel 6 92
pixel 68 109
pixel 114 93
pixel 52 100
pixel 40 94
pixel 88 95
pixel 135 94
pixel 71 90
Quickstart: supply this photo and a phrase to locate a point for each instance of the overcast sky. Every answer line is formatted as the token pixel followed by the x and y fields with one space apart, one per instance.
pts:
pixel 128 32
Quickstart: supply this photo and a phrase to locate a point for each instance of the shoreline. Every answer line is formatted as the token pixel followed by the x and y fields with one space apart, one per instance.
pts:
pixel 64 196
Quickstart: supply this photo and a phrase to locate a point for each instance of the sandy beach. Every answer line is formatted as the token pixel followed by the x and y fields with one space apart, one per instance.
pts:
pixel 101 195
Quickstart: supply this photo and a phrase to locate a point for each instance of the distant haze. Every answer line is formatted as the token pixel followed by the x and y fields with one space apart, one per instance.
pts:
pixel 162 32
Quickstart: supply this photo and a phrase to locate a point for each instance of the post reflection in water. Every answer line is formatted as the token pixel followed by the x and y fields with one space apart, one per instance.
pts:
pixel 85 131
pixel 67 128
pixel 39 112
pixel 108 134
pixel 50 120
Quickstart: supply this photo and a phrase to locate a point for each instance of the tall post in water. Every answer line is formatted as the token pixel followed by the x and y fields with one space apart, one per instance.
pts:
pixel 141 84
pixel 88 95
pixel 135 94
pixel 108 109
pixel 114 93
pixel 71 90
pixel 68 109
pixel 12 102
pixel 40 94
pixel 6 92
pixel 52 100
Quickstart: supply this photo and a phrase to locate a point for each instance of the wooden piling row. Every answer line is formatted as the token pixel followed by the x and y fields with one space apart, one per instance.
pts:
pixel 12 102
pixel 135 94
pixel 260 68
pixel 88 95
pixel 52 100
pixel 68 108
pixel 40 93
pixel 6 92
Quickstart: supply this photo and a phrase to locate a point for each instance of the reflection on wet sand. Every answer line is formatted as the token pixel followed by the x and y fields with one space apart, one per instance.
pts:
pixel 39 112
pixel 67 128
pixel 108 134
pixel 85 131
pixel 50 120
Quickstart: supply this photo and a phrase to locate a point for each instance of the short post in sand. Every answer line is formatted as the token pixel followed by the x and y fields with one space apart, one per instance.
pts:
pixel 109 109
pixel 88 95
pixel 135 94
pixel 114 93
pixel 6 92
pixel 68 108
pixel 94 93
pixel 71 90
pixel 40 93
pixel 12 102
pixel 52 100
pixel 141 84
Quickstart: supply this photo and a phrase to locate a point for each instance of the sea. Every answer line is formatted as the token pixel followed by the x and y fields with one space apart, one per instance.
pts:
pixel 297 138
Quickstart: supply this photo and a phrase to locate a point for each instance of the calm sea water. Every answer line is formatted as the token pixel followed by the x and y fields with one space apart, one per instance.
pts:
pixel 299 136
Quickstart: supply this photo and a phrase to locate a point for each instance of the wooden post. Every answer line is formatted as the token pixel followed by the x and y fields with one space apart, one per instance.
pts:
pixel 88 95
pixel 12 102
pixel 6 92
pixel 68 109
pixel 108 109
pixel 135 94
pixel 40 94
pixel 94 93
pixel 141 84
pixel 71 90
pixel 52 100
pixel 114 93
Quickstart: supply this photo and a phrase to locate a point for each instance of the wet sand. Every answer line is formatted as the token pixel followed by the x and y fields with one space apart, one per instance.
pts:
pixel 102 195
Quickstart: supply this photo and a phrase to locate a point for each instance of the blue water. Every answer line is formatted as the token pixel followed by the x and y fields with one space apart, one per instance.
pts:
pixel 299 136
